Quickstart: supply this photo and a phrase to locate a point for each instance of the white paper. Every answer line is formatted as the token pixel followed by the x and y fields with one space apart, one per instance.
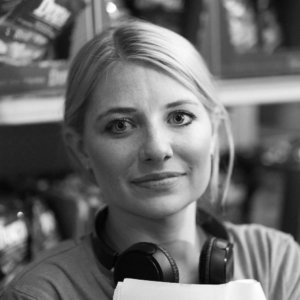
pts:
pixel 133 289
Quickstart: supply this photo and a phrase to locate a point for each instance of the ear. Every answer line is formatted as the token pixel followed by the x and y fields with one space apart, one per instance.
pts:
pixel 76 148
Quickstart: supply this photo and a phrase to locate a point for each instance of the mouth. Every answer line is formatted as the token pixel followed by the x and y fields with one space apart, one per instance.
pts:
pixel 163 180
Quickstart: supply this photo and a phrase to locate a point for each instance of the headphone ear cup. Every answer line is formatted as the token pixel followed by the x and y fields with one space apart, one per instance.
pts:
pixel 204 262
pixel 216 262
pixel 146 261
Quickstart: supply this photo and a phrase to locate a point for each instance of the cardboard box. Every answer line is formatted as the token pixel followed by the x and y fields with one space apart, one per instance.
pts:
pixel 44 75
pixel 225 61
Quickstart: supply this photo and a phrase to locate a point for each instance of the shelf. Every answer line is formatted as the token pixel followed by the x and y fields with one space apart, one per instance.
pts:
pixel 31 109
pixel 259 90
pixel 232 92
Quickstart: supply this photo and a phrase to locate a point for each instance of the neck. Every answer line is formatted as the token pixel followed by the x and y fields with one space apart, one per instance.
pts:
pixel 124 229
pixel 177 233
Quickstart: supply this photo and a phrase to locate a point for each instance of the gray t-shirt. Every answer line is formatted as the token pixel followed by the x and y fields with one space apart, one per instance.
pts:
pixel 72 271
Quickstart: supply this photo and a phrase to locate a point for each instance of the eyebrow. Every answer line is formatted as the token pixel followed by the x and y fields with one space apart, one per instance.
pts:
pixel 181 102
pixel 116 110
pixel 128 110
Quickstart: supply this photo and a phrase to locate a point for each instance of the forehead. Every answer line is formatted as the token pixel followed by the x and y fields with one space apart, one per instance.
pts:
pixel 130 83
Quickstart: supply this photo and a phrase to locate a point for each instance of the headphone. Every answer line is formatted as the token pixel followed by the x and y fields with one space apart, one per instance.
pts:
pixel 149 261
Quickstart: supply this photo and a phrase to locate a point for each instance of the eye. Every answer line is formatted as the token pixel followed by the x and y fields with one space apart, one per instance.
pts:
pixel 119 126
pixel 181 118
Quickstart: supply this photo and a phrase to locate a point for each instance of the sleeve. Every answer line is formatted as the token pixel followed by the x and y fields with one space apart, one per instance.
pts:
pixel 285 266
pixel 10 294
pixel 268 256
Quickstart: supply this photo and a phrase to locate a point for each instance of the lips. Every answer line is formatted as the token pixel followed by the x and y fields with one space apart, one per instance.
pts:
pixel 160 180
pixel 157 176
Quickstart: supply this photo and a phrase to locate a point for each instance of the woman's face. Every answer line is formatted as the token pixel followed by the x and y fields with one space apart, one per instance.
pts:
pixel 148 140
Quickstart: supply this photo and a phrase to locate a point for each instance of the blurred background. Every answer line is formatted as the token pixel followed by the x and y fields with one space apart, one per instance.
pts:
pixel 252 48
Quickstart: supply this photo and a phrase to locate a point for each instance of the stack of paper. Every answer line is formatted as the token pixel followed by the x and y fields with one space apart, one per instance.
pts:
pixel 132 289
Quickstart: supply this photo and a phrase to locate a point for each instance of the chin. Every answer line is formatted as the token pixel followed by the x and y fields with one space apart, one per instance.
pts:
pixel 163 207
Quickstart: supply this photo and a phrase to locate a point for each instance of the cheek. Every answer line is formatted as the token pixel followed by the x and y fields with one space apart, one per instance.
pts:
pixel 198 145
pixel 109 159
pixel 197 154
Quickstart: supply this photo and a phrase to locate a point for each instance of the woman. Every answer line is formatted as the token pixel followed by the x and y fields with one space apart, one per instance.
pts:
pixel 142 119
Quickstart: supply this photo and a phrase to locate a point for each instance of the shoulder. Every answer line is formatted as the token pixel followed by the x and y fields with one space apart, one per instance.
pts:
pixel 261 236
pixel 269 256
pixel 59 273
pixel 60 257
pixel 38 278
pixel 263 244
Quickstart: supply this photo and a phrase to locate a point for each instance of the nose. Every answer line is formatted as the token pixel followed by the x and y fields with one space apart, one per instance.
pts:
pixel 156 146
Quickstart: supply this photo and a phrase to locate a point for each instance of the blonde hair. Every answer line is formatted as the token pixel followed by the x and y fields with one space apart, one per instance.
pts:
pixel 143 42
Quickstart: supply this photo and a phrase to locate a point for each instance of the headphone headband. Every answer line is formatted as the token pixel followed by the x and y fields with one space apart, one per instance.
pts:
pixel 108 256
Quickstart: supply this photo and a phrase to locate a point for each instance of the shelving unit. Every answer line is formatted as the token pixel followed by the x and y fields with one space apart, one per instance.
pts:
pixel 232 92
